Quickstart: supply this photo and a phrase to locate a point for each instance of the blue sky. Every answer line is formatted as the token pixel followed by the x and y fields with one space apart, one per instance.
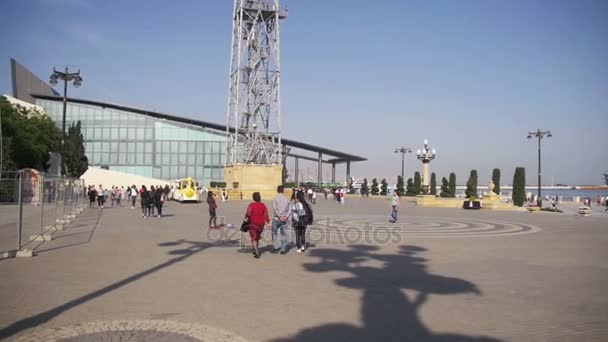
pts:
pixel 359 76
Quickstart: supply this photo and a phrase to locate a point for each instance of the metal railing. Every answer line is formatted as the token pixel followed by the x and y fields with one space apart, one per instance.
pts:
pixel 33 206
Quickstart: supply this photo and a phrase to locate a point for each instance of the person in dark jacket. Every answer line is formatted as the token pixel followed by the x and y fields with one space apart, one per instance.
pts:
pixel 144 199
pixel 152 201
pixel 159 200
pixel 92 196
pixel 299 219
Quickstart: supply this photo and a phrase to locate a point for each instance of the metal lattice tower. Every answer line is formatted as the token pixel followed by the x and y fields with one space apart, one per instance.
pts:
pixel 253 126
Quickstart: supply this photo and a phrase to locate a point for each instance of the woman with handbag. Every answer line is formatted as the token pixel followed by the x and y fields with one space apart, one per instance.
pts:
pixel 299 219
pixel 257 215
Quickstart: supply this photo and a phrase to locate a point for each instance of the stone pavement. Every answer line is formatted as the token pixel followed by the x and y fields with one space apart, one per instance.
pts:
pixel 438 274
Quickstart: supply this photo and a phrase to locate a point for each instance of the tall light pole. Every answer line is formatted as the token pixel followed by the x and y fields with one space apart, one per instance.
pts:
pixel 539 135
pixel 66 76
pixel 425 156
pixel 403 151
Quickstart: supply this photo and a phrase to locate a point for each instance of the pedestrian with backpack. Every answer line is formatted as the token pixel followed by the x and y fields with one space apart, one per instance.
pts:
pixel 301 218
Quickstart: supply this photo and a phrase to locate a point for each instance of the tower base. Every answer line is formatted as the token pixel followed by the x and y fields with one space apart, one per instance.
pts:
pixel 243 180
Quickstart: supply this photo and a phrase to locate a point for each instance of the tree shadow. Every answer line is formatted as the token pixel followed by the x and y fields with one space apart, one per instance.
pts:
pixel 387 313
pixel 189 249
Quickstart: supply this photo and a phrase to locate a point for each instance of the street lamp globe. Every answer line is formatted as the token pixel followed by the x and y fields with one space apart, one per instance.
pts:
pixel 53 79
pixel 77 81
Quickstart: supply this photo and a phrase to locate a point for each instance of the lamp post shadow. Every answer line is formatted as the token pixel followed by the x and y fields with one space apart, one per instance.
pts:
pixel 387 314
pixel 189 249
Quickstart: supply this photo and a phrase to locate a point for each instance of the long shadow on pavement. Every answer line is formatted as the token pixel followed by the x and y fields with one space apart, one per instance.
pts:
pixel 386 313
pixel 191 248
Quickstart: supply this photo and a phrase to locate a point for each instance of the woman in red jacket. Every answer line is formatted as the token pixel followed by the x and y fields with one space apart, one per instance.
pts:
pixel 257 214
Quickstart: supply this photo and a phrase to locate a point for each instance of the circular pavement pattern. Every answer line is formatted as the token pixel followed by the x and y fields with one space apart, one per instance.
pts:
pixel 380 229
pixel 133 331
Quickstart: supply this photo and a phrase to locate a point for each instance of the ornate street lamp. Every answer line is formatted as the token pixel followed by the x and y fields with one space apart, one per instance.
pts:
pixel 66 76
pixel 403 151
pixel 539 135
pixel 425 156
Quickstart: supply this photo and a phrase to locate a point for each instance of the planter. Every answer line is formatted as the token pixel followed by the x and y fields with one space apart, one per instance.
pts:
pixel 471 205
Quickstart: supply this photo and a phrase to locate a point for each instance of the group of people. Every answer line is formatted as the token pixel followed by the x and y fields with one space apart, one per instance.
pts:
pixel 149 199
pixel 295 211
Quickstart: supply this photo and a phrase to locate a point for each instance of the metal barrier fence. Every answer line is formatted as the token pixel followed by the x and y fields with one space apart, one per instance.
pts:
pixel 33 206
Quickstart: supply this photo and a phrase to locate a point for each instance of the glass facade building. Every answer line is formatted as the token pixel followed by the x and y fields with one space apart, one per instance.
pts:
pixel 135 143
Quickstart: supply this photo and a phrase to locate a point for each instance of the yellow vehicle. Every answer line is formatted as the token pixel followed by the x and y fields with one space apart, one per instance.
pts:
pixel 186 191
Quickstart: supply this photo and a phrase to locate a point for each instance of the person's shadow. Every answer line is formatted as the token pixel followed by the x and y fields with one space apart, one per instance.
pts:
pixel 387 313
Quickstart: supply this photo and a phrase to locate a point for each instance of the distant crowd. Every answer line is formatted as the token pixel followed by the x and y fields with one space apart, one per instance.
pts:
pixel 151 200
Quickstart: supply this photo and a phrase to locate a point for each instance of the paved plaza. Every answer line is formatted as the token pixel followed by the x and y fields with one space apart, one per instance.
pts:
pixel 436 275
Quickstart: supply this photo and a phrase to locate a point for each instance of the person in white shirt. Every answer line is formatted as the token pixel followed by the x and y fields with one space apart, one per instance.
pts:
pixel 395 207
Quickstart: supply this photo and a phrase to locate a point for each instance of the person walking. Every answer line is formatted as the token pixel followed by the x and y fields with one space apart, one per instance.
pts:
pixel 257 215
pixel 159 201
pixel 300 218
pixel 395 206
pixel 314 197
pixel 92 196
pixel 212 207
pixel 144 198
pixel 152 201
pixel 120 195
pixel 282 212
pixel 100 197
pixel 133 196
pixel 112 196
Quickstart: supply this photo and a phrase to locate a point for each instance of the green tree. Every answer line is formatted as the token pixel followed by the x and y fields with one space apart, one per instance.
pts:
pixel 452 184
pixel 375 189
pixel 27 137
pixel 519 186
pixel 76 161
pixel 383 187
pixel 417 183
pixel 496 180
pixel 364 188
pixel 433 189
pixel 472 185
pixel 400 189
pixel 411 189
pixel 445 188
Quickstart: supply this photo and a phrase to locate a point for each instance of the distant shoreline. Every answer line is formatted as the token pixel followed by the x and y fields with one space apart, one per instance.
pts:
pixel 545 187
